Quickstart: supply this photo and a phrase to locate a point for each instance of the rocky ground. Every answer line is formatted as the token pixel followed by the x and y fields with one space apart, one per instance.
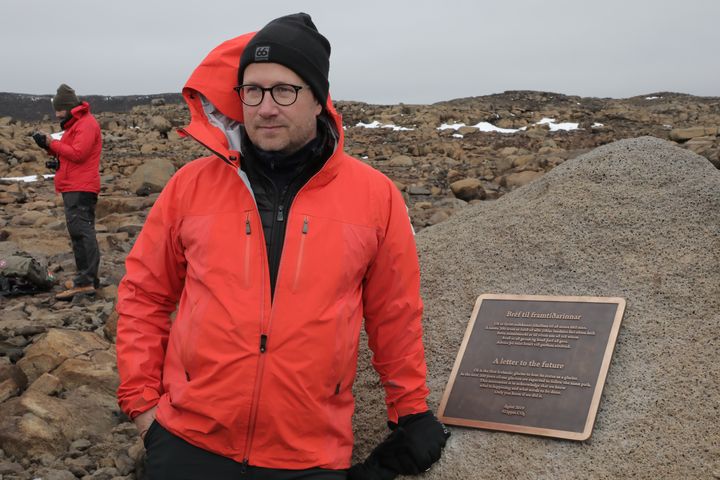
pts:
pixel 58 416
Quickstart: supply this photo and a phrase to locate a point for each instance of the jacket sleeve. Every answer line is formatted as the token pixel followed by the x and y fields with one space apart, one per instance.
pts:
pixel 147 296
pixel 393 314
pixel 79 149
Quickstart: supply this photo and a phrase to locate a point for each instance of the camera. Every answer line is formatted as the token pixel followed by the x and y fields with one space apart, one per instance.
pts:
pixel 52 164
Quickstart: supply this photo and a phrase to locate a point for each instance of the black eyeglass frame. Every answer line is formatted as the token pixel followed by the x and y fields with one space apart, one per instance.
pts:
pixel 239 90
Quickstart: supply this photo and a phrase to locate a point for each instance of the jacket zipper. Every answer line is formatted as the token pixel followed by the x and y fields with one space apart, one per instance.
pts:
pixel 264 329
pixel 262 348
pixel 264 333
pixel 298 266
pixel 275 255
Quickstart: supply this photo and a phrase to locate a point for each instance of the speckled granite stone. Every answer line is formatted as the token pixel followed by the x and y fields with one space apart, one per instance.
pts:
pixel 637 218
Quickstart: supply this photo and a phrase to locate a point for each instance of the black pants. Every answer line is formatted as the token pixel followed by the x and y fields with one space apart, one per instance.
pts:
pixel 169 457
pixel 80 219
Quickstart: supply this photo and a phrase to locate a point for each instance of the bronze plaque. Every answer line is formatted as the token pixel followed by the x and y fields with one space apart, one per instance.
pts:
pixel 533 364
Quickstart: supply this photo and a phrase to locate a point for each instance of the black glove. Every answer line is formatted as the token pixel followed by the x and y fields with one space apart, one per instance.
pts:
pixel 370 469
pixel 414 445
pixel 41 140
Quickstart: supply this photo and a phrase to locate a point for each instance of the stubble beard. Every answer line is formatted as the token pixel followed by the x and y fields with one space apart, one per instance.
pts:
pixel 286 140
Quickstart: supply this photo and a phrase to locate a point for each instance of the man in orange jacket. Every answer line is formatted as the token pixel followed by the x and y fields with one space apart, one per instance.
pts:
pixel 77 179
pixel 270 266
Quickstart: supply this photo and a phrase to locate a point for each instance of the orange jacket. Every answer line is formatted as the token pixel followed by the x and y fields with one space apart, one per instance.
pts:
pixel 79 153
pixel 260 381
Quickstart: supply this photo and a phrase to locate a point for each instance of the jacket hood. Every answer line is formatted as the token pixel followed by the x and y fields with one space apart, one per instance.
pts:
pixel 81 109
pixel 216 115
pixel 74 114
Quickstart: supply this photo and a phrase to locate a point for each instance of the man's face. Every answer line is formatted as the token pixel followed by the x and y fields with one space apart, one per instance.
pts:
pixel 275 128
pixel 61 114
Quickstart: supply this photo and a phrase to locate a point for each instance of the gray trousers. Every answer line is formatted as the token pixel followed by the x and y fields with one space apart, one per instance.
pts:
pixel 80 219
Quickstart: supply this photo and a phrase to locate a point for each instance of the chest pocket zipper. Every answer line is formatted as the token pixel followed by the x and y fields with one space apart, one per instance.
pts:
pixel 248 243
pixel 301 252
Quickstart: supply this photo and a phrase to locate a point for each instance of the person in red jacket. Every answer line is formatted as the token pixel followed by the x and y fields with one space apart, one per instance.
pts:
pixel 271 252
pixel 77 179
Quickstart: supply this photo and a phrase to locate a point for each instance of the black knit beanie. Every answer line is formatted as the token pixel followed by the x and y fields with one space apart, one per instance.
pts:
pixel 65 99
pixel 292 41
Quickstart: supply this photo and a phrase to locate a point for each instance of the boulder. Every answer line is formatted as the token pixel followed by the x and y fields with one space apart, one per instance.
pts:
pixel 632 219
pixel 37 424
pixel 53 348
pixel 160 124
pixel 12 380
pixel 122 204
pixel 151 176
pixel 468 189
pixel 401 161
pixel 97 371
pixel 684 134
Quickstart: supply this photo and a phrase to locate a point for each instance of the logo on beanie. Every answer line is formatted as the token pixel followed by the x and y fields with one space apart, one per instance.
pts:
pixel 262 54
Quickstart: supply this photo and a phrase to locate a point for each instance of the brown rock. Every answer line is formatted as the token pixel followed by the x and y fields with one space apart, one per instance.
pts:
pixel 112 241
pixel 151 176
pixel 520 161
pixel 12 381
pixel 96 370
pixel 33 218
pixel 29 434
pixel 503 164
pixel 401 161
pixel 684 134
pixel 508 151
pixel 467 130
pixel 468 189
pixel 116 204
pixel 148 148
pixel 47 384
pixel 110 328
pixel 55 347
pixel 418 190
pixel 36 424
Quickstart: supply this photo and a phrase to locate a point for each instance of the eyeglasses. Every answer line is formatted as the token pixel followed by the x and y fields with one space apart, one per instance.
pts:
pixel 283 94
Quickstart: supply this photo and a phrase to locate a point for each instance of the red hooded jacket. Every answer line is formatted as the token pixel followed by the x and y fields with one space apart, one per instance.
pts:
pixel 260 380
pixel 79 153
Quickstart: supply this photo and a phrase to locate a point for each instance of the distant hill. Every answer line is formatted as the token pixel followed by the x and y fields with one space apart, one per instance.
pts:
pixel 22 106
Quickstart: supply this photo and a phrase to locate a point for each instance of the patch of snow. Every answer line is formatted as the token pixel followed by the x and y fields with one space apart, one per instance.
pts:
pixel 454 126
pixel 376 124
pixel 457 135
pixel 28 179
pixel 652 98
pixel 489 127
pixel 554 127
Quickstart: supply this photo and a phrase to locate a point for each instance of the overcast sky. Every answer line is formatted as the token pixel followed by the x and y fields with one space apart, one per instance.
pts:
pixel 383 51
